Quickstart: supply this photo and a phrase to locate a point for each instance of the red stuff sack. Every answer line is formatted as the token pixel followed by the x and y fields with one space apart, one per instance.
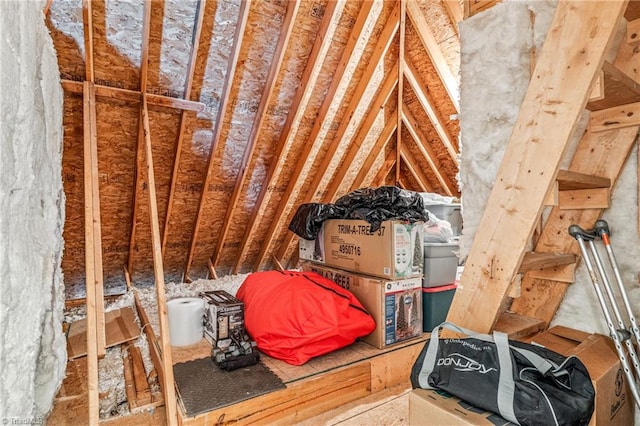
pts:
pixel 295 316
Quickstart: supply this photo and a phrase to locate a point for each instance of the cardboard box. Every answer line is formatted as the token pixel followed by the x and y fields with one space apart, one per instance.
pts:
pixel 394 251
pixel 614 403
pixel 396 306
pixel 223 316
pixel 433 407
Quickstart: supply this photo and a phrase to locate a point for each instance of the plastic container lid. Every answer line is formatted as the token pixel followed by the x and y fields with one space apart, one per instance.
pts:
pixel 451 286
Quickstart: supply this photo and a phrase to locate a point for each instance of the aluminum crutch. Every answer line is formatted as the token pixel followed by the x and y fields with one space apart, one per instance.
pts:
pixel 602 229
pixel 622 329
pixel 581 236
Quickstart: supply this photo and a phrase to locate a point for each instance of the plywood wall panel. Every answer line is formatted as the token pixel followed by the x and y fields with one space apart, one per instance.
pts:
pixel 337 114
pixel 117 130
pixel 306 26
pixel 73 181
pixel 190 176
pixel 301 131
pixel 64 22
pixel 117 36
pixel 163 124
pixel 427 74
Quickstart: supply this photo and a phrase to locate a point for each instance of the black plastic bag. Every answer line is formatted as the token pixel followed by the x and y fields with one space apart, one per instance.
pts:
pixel 308 219
pixel 526 384
pixel 374 205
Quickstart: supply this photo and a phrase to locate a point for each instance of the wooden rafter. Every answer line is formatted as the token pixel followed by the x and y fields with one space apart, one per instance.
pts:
pixel 385 169
pixel 90 267
pixel 243 16
pixel 555 99
pixel 427 152
pixel 381 143
pixel 377 105
pixel 386 37
pixel 134 96
pixel 158 269
pixel 146 24
pixel 401 50
pixel 87 19
pixel 281 48
pixel 298 106
pixel 188 84
pixel 455 11
pixel 428 105
pixel 435 53
pixel 412 164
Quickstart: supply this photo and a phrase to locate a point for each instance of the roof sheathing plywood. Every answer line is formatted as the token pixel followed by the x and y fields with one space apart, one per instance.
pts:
pixel 304 34
pixel 340 114
pixel 340 137
pixel 301 142
pixel 163 124
pixel 73 181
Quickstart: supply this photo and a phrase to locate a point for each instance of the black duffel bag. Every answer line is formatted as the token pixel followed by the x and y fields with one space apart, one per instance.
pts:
pixel 526 384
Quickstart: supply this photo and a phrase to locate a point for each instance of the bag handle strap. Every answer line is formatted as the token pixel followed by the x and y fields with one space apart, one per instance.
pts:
pixel 506 385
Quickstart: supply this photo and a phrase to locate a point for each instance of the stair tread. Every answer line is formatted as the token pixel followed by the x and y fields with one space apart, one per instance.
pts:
pixel 568 180
pixel 541 260
pixel 619 89
pixel 518 326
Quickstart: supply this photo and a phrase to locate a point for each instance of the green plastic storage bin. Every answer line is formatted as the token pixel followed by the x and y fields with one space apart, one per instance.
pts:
pixel 435 305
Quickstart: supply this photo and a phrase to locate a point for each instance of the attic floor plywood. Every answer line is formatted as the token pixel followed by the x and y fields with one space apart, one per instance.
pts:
pixel 369 370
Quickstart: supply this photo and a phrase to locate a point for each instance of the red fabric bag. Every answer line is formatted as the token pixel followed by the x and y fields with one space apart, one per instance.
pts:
pixel 295 316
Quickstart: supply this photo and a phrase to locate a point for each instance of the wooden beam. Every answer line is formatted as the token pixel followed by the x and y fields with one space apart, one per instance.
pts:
pixel 401 54
pixel 383 140
pixel 169 389
pixel 455 11
pixel 386 37
pixel 47 7
pixel 97 232
pixel 256 130
pixel 412 165
pixel 129 384
pixel 428 105
pixel 430 44
pixel 615 118
pixel 212 270
pixel 146 24
pixel 89 251
pixel 188 85
pixel 232 64
pixel 143 393
pixel 427 152
pixel 633 31
pixel 555 99
pixel 134 96
pixel 127 277
pixel 299 104
pixel 378 102
pixel 385 169
pixel 87 20
pixel 376 108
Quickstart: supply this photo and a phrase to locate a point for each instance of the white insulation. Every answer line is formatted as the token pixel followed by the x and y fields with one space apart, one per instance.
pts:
pixel 32 345
pixel 495 72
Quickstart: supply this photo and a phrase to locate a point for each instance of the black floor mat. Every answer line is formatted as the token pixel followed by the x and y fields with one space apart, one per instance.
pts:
pixel 203 387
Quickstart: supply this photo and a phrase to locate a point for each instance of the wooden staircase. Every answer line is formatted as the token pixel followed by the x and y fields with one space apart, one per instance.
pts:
pixel 529 179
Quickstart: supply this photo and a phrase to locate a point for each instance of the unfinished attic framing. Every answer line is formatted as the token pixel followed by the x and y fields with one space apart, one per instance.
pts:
pixel 253 109
pixel 193 130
